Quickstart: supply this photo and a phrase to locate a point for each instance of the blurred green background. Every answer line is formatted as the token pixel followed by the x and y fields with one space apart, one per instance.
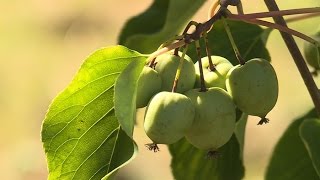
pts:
pixel 43 43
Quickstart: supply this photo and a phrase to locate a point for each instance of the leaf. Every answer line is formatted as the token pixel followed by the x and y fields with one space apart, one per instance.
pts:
pixel 290 159
pixel 240 132
pixel 157 10
pixel 162 21
pixel 125 95
pixel 248 38
pixel 80 133
pixel 266 34
pixel 310 134
pixel 191 163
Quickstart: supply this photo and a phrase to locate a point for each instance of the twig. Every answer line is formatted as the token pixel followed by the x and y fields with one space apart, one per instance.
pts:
pixel 297 57
pixel 278 13
pixel 301 17
pixel 188 38
pixel 152 56
pixel 277 26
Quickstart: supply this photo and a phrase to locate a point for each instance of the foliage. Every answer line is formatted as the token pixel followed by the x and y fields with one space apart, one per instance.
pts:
pixel 81 134
pixel 88 130
pixel 290 158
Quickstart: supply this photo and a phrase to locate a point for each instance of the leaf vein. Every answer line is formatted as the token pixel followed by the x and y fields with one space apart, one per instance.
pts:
pixel 82 136
pixel 49 147
pixel 96 150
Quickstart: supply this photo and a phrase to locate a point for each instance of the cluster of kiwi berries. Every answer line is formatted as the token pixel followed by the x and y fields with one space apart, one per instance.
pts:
pixel 206 117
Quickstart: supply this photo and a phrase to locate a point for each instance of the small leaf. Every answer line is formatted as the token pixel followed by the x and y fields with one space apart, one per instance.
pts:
pixel 290 159
pixel 162 21
pixel 248 38
pixel 191 163
pixel 125 95
pixel 81 135
pixel 310 134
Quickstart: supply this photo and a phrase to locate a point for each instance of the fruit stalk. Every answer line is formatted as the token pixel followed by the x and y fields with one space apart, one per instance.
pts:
pixel 202 84
pixel 240 8
pixel 206 41
pixel 176 79
pixel 233 43
pixel 297 57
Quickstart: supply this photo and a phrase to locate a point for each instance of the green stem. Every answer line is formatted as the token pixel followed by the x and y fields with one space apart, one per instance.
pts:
pixel 212 66
pixel 297 57
pixel 202 83
pixel 240 8
pixel 233 43
pixel 176 79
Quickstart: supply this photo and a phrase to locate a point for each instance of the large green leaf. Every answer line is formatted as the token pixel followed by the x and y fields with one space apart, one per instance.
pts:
pixel 310 134
pixel 81 135
pixel 125 95
pixel 290 159
pixel 191 163
pixel 248 38
pixel 162 21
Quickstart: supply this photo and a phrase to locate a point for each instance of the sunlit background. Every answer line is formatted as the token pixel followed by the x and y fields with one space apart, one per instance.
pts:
pixel 43 43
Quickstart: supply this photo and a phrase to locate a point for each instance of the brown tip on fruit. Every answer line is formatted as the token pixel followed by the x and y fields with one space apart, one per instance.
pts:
pixel 263 120
pixel 152 147
pixel 213 154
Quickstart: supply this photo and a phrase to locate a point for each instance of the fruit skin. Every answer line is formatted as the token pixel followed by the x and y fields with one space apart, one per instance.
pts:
pixel 168 116
pixel 216 78
pixel 167 65
pixel 312 52
pixel 253 87
pixel 149 84
pixel 215 118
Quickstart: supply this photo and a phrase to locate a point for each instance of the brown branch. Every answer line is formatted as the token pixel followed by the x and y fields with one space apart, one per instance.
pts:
pixel 297 57
pixel 279 27
pixel 188 38
pixel 301 17
pixel 277 13
pixel 152 56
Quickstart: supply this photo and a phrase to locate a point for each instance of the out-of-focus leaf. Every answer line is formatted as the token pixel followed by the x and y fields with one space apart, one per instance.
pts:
pixel 189 163
pixel 240 132
pixel 161 22
pixel 310 134
pixel 290 159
